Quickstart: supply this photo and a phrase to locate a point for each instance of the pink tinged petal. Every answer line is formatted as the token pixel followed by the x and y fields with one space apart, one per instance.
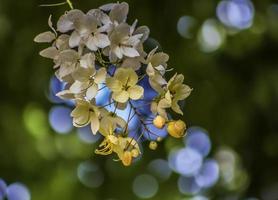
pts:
pixel 101 40
pixel 136 92
pixel 50 52
pixel 107 7
pixel 91 44
pixel 94 123
pixel 74 39
pixel 121 96
pixel 91 92
pixel 119 12
pixel 130 52
pixel 133 26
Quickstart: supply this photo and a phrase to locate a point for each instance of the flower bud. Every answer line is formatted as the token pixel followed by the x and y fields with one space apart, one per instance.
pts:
pixel 159 139
pixel 127 158
pixel 153 145
pixel 176 128
pixel 135 153
pixel 159 121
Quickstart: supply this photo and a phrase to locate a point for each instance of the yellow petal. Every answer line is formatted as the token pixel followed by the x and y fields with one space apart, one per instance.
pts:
pixel 100 76
pixel 94 123
pixel 135 92
pixel 113 84
pixel 92 92
pixel 121 96
pixel 127 76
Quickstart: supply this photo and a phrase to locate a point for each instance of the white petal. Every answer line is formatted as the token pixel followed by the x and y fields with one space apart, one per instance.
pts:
pixel 74 39
pixel 133 40
pixel 130 52
pixel 101 40
pixel 118 52
pixel 91 44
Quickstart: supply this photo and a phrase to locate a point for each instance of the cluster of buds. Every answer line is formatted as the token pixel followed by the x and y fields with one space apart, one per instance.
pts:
pixel 98 52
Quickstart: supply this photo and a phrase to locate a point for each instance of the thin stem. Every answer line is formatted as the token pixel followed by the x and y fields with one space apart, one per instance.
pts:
pixel 52 5
pixel 70 4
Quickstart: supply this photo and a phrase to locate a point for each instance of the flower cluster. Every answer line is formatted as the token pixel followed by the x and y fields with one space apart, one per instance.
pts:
pixel 98 51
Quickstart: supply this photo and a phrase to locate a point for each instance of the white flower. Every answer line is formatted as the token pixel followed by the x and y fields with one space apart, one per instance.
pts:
pixel 85 28
pixel 87 80
pixel 122 44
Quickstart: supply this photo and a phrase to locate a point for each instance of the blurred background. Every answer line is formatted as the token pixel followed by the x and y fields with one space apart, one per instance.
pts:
pixel 227 51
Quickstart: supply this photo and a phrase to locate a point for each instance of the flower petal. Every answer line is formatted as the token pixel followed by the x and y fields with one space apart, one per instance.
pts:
pixel 135 92
pixel 100 75
pixel 94 123
pixel 130 52
pixel 90 44
pixel 113 84
pixel 101 40
pixel 121 96
pixel 92 91
pixel 119 12
pixel 74 39
pixel 45 37
pixel 50 52
pixel 78 86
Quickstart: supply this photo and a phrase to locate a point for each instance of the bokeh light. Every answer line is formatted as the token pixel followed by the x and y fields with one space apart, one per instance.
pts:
pixel 198 140
pixel 211 36
pixel 188 185
pixel 35 121
pixel 56 86
pixel 60 119
pixel 86 135
pixel 90 175
pixel 145 186
pixel 18 191
pixel 236 14
pixel 102 97
pixel 209 174
pixel 188 162
pixel 160 168
pixel 185 25
pixel 3 188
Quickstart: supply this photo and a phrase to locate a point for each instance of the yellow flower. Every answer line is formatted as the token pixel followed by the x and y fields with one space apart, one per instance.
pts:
pixel 176 128
pixel 123 85
pixel 84 114
pixel 125 147
pixel 159 121
pixel 178 90
pixel 174 92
